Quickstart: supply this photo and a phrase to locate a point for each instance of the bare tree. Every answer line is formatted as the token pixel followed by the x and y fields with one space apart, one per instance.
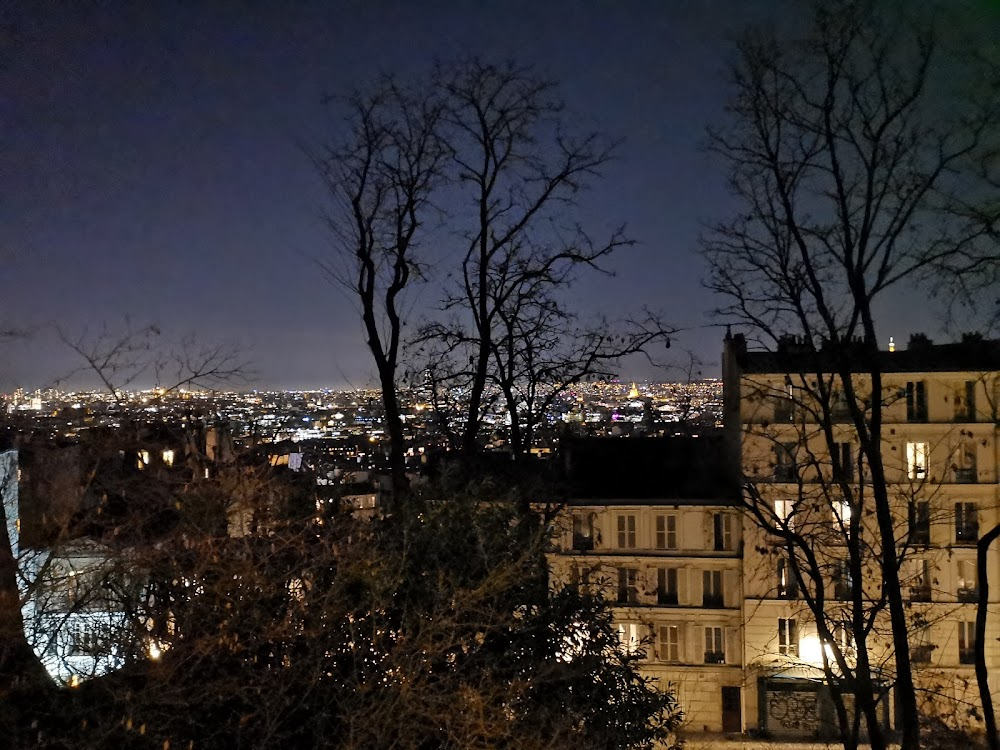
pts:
pixel 846 164
pixel 381 173
pixel 120 356
pixel 507 329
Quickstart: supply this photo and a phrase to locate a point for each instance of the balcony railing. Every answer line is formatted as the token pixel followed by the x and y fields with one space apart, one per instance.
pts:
pixel 715 657
pixel 666 597
pixel 966 656
pixel 583 543
pixel 920 593
pixel 968 595
pixel 713 601
pixel 968 475
pixel 921 654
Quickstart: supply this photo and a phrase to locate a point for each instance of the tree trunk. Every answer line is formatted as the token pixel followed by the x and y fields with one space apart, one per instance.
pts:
pixel 982 674
pixel 19 667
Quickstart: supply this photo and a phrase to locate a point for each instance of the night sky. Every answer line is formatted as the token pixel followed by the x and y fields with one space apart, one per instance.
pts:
pixel 152 161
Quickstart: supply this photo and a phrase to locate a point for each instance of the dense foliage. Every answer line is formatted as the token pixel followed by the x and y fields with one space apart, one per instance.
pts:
pixel 429 629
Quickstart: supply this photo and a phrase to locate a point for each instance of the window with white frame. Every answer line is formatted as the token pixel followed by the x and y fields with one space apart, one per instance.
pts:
pixel 670 643
pixel 630 634
pixel 916 460
pixel 788 637
pixel 626 531
pixel 666 531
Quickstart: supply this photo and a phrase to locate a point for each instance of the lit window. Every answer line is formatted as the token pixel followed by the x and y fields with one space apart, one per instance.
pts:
pixel 168 457
pixel 842 511
pixel 630 635
pixel 916 460
pixel 784 510
pixel 967 589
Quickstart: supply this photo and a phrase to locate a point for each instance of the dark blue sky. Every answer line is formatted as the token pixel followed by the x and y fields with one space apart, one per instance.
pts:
pixel 151 162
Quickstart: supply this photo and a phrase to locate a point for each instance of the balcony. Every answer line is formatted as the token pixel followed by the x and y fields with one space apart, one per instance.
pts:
pixel 968 475
pixel 785 473
pixel 920 593
pixel 967 595
pixel 967 533
pixel 715 657
pixel 583 543
pixel 843 591
pixel 666 598
pixel 713 601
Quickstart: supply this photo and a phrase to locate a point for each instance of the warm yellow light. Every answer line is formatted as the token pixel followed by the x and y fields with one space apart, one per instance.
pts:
pixel 168 457
pixel 810 650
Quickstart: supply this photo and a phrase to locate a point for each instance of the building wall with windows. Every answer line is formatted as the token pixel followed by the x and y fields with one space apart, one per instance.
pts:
pixel 672 570
pixel 940 444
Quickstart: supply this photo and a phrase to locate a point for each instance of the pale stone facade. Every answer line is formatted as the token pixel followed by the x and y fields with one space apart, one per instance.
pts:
pixel 662 560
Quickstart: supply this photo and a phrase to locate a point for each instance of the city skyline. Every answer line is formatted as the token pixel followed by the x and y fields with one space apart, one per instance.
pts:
pixel 158 156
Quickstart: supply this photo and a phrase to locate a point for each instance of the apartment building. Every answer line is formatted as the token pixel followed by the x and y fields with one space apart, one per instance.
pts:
pixel 711 597
pixel 653 525
pixel 940 450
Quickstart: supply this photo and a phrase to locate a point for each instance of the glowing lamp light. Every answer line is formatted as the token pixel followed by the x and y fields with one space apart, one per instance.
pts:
pixel 810 649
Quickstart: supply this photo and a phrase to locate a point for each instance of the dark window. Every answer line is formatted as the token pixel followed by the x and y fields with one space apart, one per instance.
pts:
pixel 666 586
pixel 788 588
pixel 843 584
pixel 628 590
pixel 712 589
pixel 920 522
pixel 967 642
pixel 916 401
pixel 966 523
pixel 843 463
pixel 920 581
pixel 722 531
pixel 784 467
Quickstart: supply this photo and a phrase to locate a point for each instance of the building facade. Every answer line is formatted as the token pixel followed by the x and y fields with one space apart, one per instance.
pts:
pixel 721 604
